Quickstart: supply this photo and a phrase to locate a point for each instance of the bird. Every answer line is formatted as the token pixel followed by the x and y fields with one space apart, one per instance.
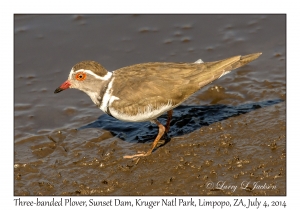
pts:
pixel 143 92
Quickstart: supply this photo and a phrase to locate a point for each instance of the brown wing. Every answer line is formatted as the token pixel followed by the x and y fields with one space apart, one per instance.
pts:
pixel 162 83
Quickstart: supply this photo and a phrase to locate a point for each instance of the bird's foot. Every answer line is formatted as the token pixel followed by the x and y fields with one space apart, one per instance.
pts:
pixel 138 155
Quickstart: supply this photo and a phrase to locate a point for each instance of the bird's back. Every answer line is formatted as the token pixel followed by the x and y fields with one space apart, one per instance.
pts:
pixel 159 84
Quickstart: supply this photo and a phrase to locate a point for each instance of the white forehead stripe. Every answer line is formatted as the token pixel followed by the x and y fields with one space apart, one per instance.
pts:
pixel 106 77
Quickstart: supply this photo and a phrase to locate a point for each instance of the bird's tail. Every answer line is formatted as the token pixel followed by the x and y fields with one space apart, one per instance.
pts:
pixel 215 70
pixel 232 63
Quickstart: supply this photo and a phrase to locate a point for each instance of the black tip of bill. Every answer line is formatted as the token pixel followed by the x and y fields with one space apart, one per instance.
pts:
pixel 58 90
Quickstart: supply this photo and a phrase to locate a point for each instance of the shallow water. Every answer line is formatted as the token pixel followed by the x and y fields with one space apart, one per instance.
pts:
pixel 232 130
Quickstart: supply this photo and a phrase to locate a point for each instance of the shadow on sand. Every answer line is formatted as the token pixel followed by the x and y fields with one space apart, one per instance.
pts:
pixel 186 119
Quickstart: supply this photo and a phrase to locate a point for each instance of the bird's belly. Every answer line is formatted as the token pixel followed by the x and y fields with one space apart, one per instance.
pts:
pixel 140 116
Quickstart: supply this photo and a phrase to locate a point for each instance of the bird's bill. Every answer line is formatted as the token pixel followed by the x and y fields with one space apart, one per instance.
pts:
pixel 64 86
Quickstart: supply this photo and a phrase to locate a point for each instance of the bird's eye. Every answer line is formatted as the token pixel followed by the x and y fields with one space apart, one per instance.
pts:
pixel 80 76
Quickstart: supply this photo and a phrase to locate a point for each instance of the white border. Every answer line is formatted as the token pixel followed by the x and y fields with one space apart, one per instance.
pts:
pixel 233 6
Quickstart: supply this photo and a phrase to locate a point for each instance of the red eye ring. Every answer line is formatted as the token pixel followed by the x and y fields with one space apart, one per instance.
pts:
pixel 80 76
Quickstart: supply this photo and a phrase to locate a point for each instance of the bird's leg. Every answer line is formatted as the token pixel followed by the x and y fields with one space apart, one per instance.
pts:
pixel 170 112
pixel 161 131
pixel 167 126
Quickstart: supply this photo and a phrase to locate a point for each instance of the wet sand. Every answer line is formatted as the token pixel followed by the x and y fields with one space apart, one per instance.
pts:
pixel 231 133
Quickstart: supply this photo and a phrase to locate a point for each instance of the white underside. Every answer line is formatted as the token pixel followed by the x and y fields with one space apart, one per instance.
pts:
pixel 146 115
